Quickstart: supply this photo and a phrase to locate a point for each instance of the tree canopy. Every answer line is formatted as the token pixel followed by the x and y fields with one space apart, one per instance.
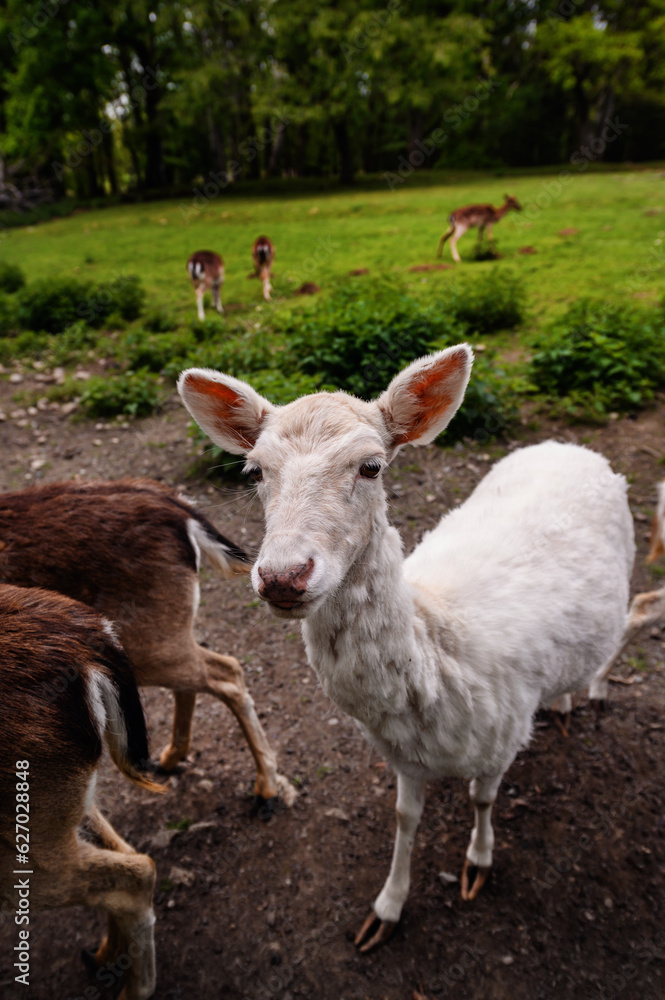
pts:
pixel 155 96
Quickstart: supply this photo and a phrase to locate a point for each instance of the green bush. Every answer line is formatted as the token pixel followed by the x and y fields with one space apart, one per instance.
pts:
pixel 134 394
pixel 53 304
pixel 357 340
pixel 8 315
pixel 601 358
pixel 11 277
pixel 494 301
pixel 158 320
pixel 158 352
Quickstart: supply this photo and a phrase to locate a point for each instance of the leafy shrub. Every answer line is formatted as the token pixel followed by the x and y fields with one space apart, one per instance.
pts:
pixel 8 315
pixel 158 351
pixel 53 304
pixel 358 340
pixel 601 358
pixel 11 277
pixel 158 320
pixel 494 301
pixel 122 295
pixel 134 394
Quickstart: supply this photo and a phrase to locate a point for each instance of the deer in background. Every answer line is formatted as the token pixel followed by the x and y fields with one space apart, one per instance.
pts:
pixel 132 550
pixel 66 688
pixel 263 255
pixel 516 598
pixel 206 269
pixel 481 216
pixel 646 609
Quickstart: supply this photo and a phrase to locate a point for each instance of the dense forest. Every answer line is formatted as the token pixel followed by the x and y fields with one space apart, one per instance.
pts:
pixel 111 97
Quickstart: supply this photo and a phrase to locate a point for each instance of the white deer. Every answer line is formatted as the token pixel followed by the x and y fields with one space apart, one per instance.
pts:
pixel 516 599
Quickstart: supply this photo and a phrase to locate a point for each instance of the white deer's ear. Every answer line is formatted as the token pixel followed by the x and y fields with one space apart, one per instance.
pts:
pixel 423 399
pixel 228 410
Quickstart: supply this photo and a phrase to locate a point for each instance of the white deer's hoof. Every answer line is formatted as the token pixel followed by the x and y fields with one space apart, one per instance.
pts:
pixel 479 881
pixel 365 940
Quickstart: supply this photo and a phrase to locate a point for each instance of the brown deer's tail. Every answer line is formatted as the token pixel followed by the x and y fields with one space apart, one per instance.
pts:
pixel 114 699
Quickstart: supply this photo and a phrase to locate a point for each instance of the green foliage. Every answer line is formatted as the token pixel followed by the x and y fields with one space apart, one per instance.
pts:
pixel 357 340
pixel 134 394
pixel 11 277
pixel 53 304
pixel 158 352
pixel 494 301
pixel 158 320
pixel 601 358
pixel 8 315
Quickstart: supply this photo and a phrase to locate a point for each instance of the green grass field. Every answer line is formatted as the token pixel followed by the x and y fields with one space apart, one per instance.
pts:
pixel 598 236
pixel 321 237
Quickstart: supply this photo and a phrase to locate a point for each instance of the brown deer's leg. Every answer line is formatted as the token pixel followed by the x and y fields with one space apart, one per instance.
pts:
pixel 488 229
pixel 443 239
pixel 111 945
pixel 459 231
pixel 217 296
pixel 200 292
pixel 225 679
pixel 178 748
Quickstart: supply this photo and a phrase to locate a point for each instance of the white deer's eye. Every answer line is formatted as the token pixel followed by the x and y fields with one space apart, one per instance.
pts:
pixel 370 470
pixel 254 472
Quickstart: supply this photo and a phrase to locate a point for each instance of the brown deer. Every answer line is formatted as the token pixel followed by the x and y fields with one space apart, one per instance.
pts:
pixel 206 269
pixel 131 549
pixel 481 216
pixel 263 255
pixel 66 687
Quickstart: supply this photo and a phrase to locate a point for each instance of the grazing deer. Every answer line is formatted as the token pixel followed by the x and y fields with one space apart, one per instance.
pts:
pixel 66 687
pixel 646 609
pixel 515 599
pixel 263 255
pixel 131 549
pixel 206 269
pixel 481 216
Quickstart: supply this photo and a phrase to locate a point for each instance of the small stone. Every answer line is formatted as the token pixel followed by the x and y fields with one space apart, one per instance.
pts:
pixel 271 916
pixel 448 878
pixel 608 903
pixel 182 876
pixel 589 915
pixel 15 378
pixel 68 408
pixel 333 721
pixel 32 411
pixel 37 463
pixel 3 416
pixel 98 442
pixel 82 375
pixel 206 785
pixel 507 959
pixel 337 813
pixel 162 839
pixel 17 414
pixel 42 403
pixel 115 440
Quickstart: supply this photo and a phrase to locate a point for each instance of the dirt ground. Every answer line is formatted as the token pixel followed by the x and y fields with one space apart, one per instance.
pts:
pixel 266 911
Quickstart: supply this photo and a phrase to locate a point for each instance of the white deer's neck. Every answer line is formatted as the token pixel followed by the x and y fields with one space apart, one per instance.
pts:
pixel 366 642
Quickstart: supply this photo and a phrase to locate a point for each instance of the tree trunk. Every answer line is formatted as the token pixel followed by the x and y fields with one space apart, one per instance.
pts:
pixel 343 143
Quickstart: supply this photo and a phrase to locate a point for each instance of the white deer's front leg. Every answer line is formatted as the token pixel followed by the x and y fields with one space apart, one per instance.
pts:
pixel 479 852
pixel 391 899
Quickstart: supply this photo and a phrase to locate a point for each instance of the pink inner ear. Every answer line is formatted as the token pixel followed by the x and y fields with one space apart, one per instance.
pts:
pixel 227 407
pixel 432 395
